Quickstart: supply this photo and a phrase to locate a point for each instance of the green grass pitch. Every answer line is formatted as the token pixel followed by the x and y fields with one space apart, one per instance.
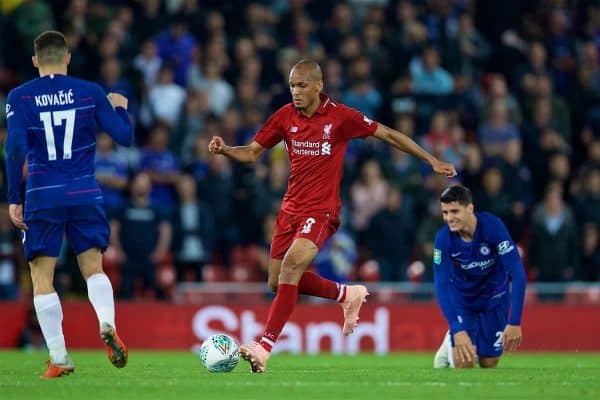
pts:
pixel 179 375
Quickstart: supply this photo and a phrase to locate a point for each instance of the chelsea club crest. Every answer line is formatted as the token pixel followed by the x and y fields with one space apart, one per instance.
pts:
pixel 484 250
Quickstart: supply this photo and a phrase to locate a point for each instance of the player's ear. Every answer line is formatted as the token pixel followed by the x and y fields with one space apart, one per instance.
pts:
pixel 35 62
pixel 68 58
pixel 470 208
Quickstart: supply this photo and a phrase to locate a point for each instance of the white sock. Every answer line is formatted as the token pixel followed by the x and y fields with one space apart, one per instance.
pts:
pixel 100 293
pixel 49 314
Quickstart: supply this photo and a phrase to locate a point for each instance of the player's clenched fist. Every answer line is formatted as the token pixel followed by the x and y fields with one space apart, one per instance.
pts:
pixel 217 145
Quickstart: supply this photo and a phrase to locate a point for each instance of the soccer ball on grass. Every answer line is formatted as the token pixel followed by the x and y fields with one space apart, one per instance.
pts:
pixel 220 353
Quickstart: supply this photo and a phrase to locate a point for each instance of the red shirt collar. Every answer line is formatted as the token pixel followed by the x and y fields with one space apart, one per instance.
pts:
pixel 325 100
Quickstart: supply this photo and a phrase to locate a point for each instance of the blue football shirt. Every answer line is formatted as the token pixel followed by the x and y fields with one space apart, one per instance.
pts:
pixel 52 124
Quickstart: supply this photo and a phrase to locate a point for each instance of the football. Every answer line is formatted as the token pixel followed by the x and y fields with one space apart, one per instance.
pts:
pixel 220 353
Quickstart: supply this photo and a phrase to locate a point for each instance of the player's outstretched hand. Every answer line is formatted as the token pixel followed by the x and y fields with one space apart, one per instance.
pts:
pixel 444 168
pixel 118 100
pixel 512 337
pixel 217 145
pixel 16 215
pixel 465 351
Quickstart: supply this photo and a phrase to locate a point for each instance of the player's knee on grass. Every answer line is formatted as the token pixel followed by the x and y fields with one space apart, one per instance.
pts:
pixel 489 362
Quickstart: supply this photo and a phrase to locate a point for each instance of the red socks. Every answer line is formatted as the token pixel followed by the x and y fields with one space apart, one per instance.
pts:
pixel 279 313
pixel 285 301
pixel 315 285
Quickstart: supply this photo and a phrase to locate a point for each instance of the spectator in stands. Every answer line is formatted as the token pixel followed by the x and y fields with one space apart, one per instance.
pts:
pixel 553 252
pixel 528 73
pixel 517 179
pixel 111 173
pixel 587 201
pixel 590 252
pixel 395 220
pixel 490 194
pixel 544 89
pixel 469 51
pixel 438 140
pixel 559 168
pixel 217 188
pixel 166 99
pixel 368 195
pixel 377 53
pixel 151 20
pixel 303 37
pixel 542 138
pixel 339 26
pixel 162 167
pixel 561 50
pixel 498 92
pixel 191 122
pixel 198 166
pixel 29 19
pixel 220 92
pixel 428 77
pixel 141 235
pixel 589 70
pixel 193 228
pixel 175 47
pixel 407 34
pixel 148 63
pixel 362 94
pixel 496 132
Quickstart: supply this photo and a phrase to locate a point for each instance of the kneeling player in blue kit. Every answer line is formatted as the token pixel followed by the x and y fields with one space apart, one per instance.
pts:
pixel 479 284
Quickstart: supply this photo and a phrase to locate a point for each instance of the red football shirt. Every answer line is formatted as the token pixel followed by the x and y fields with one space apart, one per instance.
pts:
pixel 316 147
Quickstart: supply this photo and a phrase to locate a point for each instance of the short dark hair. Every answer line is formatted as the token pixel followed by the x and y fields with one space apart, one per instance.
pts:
pixel 50 48
pixel 459 193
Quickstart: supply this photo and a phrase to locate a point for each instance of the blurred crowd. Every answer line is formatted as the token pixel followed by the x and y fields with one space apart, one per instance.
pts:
pixel 509 91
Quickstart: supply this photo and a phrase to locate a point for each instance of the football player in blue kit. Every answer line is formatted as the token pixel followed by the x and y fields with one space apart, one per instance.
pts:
pixel 479 283
pixel 52 128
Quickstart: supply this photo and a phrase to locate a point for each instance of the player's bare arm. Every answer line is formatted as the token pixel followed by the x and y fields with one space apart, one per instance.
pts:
pixel 512 337
pixel 465 352
pixel 406 144
pixel 245 154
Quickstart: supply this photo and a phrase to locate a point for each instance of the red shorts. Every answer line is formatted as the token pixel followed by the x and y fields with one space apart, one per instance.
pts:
pixel 316 227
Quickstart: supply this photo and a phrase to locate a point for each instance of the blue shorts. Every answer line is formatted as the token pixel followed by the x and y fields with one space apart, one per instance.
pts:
pixel 85 227
pixel 485 328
